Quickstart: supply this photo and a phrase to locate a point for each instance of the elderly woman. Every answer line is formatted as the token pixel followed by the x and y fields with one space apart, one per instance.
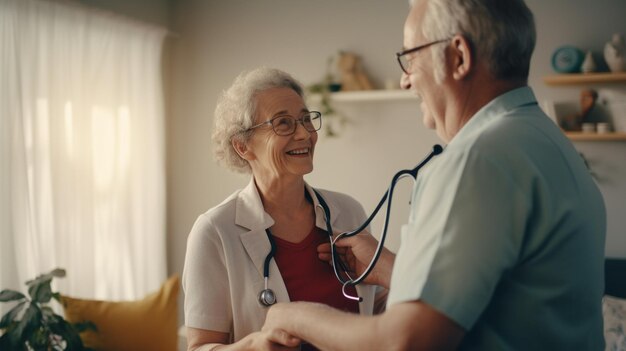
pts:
pixel 259 245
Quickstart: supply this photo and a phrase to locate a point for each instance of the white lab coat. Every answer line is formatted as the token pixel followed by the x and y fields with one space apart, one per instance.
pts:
pixel 226 249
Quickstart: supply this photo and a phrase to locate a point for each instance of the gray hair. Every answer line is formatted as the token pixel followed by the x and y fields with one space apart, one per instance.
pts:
pixel 501 32
pixel 236 108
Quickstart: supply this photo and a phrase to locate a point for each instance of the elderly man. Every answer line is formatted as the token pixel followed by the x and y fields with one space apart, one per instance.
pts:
pixel 504 245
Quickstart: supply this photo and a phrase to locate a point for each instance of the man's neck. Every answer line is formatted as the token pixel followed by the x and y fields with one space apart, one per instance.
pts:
pixel 473 95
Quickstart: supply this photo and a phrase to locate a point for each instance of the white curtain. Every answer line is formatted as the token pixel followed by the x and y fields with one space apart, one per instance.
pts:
pixel 81 149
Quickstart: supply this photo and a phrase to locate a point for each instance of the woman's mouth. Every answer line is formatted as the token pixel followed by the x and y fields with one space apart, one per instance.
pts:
pixel 298 152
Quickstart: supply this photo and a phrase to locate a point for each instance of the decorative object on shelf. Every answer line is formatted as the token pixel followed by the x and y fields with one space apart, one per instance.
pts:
pixel 589 64
pixel 615 53
pixel 392 84
pixel 589 128
pixel 573 122
pixel 331 78
pixel 328 85
pixel 567 59
pixel 39 327
pixel 603 128
pixel 614 103
pixel 353 77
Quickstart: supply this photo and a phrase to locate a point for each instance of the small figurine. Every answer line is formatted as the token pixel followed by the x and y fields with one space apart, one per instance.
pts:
pixel 352 75
pixel 587 102
pixel 615 53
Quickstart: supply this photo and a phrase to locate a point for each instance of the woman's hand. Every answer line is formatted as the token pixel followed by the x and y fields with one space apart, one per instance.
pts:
pixel 270 340
pixel 267 340
pixel 357 252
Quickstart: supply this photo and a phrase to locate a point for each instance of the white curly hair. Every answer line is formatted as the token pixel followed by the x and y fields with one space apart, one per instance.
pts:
pixel 236 108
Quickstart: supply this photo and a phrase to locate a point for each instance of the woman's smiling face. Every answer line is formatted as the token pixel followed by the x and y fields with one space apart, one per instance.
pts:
pixel 272 155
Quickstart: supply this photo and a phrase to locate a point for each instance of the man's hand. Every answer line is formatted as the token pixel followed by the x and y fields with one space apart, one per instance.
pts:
pixel 357 252
pixel 277 322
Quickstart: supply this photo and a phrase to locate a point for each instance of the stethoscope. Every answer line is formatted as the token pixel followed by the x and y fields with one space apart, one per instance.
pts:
pixel 267 296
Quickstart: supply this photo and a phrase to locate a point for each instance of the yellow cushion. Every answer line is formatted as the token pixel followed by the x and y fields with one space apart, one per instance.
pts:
pixel 147 324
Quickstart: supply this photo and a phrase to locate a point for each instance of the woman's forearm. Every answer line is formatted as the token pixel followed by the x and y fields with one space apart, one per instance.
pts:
pixel 240 345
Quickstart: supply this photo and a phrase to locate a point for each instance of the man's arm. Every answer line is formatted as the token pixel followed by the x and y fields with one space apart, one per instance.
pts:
pixel 404 326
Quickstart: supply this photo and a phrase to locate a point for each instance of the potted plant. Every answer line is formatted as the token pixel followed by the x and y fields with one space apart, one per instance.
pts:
pixel 328 85
pixel 32 325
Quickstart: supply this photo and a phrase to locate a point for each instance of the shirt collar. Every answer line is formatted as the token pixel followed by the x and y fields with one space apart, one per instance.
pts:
pixel 494 110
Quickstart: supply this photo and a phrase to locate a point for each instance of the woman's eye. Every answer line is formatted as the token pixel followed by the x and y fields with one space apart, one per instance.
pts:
pixel 283 121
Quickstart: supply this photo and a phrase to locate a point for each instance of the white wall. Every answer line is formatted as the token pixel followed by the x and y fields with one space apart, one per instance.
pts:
pixel 219 39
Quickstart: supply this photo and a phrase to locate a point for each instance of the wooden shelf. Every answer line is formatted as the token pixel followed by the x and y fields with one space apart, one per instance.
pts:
pixel 580 136
pixel 585 78
pixel 367 95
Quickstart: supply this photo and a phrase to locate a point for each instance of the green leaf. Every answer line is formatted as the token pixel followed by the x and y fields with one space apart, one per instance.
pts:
pixel 10 295
pixel 58 272
pixel 31 321
pixel 41 291
pixel 47 313
pixel 10 316
pixel 5 342
pixel 38 340
pixel 39 288
pixel 57 296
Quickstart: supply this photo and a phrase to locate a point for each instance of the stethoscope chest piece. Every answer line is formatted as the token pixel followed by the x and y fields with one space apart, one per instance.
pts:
pixel 267 297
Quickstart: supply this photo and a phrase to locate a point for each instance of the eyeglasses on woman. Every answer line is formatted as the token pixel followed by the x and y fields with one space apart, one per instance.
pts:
pixel 284 125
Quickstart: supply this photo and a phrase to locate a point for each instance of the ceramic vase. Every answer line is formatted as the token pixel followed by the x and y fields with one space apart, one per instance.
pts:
pixel 589 64
pixel 615 53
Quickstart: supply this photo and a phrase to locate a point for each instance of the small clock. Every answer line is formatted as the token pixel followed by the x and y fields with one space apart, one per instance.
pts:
pixel 567 59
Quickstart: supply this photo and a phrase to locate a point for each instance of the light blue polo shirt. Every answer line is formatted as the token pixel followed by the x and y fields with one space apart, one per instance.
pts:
pixel 506 234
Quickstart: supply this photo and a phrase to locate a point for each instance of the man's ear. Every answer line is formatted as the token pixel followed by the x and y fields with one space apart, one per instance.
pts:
pixel 241 149
pixel 461 56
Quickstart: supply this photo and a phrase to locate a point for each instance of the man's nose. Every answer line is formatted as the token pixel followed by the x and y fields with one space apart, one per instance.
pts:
pixel 405 83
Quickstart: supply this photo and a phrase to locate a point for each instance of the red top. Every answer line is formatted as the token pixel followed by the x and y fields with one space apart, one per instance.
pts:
pixel 308 278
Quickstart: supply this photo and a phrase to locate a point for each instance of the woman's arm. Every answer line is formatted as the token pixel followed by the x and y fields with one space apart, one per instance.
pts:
pixel 204 340
pixel 209 340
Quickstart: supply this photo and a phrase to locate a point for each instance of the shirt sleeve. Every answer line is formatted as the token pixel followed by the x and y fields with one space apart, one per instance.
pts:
pixel 205 280
pixel 466 226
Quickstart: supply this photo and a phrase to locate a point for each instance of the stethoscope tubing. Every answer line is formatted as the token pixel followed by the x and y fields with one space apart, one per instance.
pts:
pixel 337 263
pixel 437 149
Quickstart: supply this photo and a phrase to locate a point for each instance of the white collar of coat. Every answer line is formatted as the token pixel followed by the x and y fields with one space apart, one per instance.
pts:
pixel 251 215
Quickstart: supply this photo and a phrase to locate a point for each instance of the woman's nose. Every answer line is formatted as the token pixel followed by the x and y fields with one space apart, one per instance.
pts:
pixel 301 132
